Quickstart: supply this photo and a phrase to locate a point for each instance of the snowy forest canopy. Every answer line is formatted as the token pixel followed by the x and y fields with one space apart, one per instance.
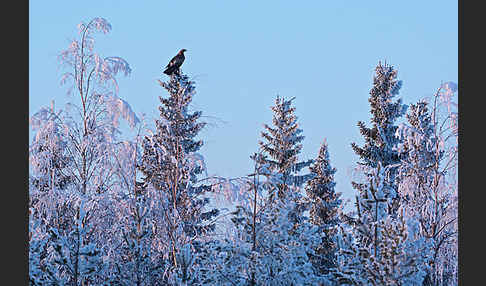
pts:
pixel 106 210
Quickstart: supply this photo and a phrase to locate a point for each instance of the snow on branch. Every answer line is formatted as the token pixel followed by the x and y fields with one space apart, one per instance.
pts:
pixel 98 24
pixel 117 107
pixel 108 67
pixel 95 25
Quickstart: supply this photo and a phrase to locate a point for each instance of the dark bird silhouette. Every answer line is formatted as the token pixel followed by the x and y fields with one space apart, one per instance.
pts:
pixel 174 64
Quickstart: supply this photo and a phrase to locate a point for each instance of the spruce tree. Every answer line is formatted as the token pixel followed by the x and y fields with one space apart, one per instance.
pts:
pixel 269 248
pixel 73 257
pixel 324 203
pixel 171 167
pixel 376 248
pixel 283 145
pixel 169 163
pixel 380 140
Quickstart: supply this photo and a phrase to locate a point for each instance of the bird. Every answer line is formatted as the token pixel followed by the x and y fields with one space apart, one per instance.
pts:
pixel 175 63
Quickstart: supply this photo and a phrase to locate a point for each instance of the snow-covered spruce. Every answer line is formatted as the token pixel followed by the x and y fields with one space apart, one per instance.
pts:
pixel 269 248
pixel 282 145
pixel 376 248
pixel 380 139
pixel 171 167
pixel 323 204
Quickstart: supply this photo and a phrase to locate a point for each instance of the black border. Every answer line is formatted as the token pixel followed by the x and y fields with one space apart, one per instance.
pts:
pixel 471 130
pixel 15 142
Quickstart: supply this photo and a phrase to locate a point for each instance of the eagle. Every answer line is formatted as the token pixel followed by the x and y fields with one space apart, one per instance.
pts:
pixel 174 64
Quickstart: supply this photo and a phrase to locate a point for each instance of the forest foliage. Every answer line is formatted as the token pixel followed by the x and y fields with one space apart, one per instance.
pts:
pixel 107 209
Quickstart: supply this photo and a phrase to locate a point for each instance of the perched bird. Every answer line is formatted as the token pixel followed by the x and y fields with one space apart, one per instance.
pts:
pixel 176 62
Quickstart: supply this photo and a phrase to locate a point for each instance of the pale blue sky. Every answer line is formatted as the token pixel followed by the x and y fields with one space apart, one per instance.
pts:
pixel 243 53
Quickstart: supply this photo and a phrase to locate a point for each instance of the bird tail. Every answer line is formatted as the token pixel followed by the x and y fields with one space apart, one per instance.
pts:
pixel 169 71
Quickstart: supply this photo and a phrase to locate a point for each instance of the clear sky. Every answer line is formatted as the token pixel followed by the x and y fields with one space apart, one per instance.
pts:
pixel 243 53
